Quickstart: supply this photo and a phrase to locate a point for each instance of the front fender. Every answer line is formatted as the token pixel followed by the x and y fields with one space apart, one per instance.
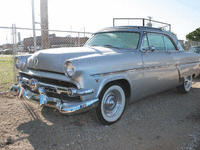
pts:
pixel 108 79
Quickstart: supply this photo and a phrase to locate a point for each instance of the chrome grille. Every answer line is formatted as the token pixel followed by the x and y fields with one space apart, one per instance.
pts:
pixel 49 80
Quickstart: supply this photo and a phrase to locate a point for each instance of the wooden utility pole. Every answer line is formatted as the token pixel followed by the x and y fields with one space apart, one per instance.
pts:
pixel 44 24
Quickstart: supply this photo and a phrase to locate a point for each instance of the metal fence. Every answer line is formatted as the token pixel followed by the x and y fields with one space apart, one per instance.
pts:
pixel 22 40
pixel 19 41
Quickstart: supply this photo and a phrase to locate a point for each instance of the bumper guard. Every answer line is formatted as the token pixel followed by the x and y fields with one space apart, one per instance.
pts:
pixel 68 108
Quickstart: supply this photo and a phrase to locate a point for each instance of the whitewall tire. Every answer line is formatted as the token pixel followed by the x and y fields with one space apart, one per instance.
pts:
pixel 186 86
pixel 112 104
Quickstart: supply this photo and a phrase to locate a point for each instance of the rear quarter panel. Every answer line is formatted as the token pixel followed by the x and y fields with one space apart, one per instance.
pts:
pixel 187 64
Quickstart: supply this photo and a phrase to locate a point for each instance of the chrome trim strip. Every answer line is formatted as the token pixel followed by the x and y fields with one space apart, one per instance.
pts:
pixel 72 92
pixel 107 73
pixel 26 81
pixel 145 68
pixel 53 86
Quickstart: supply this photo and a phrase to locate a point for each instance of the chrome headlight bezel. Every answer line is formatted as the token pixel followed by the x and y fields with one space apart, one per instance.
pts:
pixel 16 62
pixel 20 63
pixel 69 69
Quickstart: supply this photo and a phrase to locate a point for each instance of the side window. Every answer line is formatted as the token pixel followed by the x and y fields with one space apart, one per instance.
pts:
pixel 145 45
pixel 156 40
pixel 168 43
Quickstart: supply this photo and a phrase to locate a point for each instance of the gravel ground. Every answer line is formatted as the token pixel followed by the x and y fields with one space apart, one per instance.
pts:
pixel 166 121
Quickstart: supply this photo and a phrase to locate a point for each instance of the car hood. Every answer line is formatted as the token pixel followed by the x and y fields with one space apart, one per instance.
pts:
pixel 53 59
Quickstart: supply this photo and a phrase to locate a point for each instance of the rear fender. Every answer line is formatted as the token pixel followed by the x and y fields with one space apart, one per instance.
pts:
pixel 188 69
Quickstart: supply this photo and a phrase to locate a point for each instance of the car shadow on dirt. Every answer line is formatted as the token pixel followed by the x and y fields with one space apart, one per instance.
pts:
pixel 55 131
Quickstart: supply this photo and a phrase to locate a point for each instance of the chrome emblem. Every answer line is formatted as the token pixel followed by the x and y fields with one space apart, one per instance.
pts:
pixel 36 61
pixel 33 83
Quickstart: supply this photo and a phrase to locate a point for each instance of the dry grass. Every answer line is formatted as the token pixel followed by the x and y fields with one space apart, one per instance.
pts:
pixel 7 72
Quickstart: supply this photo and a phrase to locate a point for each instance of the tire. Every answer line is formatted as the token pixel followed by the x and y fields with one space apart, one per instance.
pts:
pixel 186 86
pixel 112 102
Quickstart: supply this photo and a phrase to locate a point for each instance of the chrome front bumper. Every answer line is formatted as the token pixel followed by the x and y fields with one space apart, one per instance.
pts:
pixel 64 106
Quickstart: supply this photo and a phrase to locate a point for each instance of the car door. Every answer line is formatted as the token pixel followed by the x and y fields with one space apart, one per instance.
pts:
pixel 160 72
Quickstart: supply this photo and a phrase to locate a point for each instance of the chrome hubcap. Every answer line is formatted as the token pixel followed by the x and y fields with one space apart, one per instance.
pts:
pixel 188 83
pixel 112 103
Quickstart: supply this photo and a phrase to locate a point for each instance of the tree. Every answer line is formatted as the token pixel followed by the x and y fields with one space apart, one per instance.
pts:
pixel 149 24
pixel 194 35
pixel 162 28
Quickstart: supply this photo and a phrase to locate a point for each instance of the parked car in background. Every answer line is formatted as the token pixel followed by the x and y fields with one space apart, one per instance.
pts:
pixel 194 49
pixel 116 67
pixel 7 51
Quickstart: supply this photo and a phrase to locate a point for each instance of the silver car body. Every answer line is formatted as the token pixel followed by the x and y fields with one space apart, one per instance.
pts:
pixel 142 72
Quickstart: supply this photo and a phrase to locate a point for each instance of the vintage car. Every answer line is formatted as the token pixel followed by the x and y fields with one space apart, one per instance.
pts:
pixel 7 51
pixel 116 67
pixel 194 49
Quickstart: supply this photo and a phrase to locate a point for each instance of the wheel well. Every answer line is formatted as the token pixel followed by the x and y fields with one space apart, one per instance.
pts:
pixel 125 85
pixel 193 76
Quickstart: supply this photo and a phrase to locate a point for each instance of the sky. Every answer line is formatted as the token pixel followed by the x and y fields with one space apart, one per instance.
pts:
pixel 92 15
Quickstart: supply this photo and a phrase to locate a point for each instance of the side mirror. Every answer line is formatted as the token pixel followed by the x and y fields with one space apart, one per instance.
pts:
pixel 152 48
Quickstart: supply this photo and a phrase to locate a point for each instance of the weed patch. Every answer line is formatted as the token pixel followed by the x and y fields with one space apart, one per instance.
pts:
pixel 7 73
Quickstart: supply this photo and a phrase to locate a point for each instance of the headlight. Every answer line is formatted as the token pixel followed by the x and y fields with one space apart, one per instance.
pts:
pixel 20 63
pixel 68 69
pixel 16 61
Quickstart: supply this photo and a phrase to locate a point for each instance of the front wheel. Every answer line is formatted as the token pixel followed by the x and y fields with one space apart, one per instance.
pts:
pixel 186 86
pixel 112 104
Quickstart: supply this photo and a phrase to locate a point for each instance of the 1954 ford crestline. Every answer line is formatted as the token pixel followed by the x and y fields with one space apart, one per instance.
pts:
pixel 117 66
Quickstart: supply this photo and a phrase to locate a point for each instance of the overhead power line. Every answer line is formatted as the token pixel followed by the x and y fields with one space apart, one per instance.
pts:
pixel 188 5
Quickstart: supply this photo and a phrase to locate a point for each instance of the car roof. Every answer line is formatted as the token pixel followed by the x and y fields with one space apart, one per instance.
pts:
pixel 128 28
pixel 137 29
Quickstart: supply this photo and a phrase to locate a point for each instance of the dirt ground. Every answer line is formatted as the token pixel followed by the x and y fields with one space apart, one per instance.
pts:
pixel 166 121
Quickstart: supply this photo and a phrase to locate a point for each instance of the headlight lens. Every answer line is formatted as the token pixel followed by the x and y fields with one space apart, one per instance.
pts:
pixel 16 61
pixel 68 69
pixel 20 63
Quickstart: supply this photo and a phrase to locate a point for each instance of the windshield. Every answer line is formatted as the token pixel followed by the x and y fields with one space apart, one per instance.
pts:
pixel 115 39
